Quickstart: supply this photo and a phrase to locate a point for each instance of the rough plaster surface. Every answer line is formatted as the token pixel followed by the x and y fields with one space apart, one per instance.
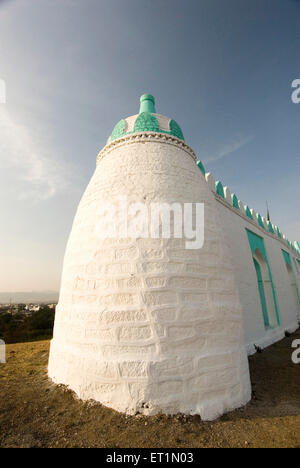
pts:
pixel 147 325
pixel 235 236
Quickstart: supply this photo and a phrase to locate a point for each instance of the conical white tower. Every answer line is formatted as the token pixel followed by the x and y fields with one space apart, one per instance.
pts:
pixel 145 324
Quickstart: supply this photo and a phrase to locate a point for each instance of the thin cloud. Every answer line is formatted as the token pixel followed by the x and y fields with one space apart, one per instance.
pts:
pixel 40 176
pixel 228 148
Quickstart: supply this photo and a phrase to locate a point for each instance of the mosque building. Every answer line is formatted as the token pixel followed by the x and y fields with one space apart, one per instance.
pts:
pixel 150 323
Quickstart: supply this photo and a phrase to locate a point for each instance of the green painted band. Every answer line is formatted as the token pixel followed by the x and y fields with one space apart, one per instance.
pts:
pixel 147 97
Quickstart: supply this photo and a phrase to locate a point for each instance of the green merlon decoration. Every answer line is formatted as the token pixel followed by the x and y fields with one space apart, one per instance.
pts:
pixel 297 246
pixel 248 212
pixel 260 221
pixel 176 130
pixel 201 167
pixel 146 122
pixel 219 189
pixel 235 202
pixel 118 131
pixel 270 227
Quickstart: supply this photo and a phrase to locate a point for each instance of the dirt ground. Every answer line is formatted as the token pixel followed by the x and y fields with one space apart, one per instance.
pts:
pixel 36 413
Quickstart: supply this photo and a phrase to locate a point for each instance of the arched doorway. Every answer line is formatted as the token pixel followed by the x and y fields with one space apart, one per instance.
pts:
pixel 293 281
pixel 262 295
pixel 265 288
pixel 297 270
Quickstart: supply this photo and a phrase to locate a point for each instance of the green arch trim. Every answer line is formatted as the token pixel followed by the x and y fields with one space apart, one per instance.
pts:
pixel 146 122
pixel 118 130
pixel 176 130
pixel 220 189
pixel 287 259
pixel 262 295
pixel 257 242
pixel 201 167
pixel 235 202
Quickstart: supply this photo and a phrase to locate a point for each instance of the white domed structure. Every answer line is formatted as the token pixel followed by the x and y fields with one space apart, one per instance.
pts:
pixel 145 324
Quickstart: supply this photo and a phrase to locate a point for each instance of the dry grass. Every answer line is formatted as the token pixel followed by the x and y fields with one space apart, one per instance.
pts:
pixel 36 413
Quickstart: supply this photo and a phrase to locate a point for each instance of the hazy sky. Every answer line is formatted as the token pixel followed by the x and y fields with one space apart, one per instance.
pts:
pixel 73 68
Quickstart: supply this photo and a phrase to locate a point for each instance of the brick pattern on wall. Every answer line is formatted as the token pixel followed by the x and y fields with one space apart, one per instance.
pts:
pixel 147 325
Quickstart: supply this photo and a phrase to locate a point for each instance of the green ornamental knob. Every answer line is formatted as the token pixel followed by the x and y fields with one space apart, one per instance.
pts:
pixel 147 103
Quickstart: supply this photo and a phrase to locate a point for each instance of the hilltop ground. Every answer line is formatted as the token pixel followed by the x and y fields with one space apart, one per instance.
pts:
pixel 35 413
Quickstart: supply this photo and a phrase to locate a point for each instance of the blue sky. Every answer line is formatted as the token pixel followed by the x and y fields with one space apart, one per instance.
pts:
pixel 222 68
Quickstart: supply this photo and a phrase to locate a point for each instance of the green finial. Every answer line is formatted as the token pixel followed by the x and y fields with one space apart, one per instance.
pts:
pixel 147 103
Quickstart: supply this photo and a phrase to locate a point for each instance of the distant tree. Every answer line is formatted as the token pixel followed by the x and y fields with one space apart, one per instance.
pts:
pixel 19 328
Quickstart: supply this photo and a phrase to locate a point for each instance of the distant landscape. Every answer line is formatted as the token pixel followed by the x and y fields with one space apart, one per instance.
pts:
pixel 27 316
pixel 20 323
pixel 29 297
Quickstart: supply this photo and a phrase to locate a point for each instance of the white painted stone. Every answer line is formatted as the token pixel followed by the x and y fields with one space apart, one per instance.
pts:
pixel 235 235
pixel 210 181
pixel 242 207
pixel 227 194
pixel 253 213
pixel 265 223
pixel 135 320
pixel 147 325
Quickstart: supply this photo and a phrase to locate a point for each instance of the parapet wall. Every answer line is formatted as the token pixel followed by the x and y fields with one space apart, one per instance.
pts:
pixel 282 263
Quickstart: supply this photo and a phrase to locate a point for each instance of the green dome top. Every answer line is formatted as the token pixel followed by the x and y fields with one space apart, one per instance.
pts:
pixel 146 121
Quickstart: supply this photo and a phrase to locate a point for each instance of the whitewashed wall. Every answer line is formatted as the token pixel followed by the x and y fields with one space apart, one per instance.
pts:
pixel 148 325
pixel 234 229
